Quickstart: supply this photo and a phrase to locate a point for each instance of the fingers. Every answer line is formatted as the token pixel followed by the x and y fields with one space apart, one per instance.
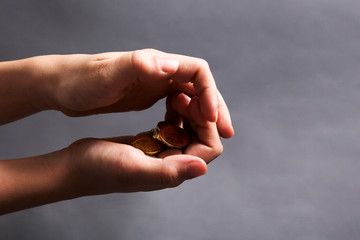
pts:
pixel 182 104
pixel 151 69
pixel 206 142
pixel 197 71
pixel 182 69
pixel 171 115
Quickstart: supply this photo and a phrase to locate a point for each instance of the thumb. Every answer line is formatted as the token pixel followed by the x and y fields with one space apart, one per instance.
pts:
pixel 171 171
pixel 183 167
pixel 142 62
pixel 168 65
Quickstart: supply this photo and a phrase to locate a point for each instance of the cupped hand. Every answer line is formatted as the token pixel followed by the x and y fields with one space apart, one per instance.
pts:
pixel 206 141
pixel 125 81
pixel 101 166
pixel 112 165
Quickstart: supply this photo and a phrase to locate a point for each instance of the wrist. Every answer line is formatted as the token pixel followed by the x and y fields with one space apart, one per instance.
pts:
pixel 63 80
pixel 35 181
pixel 42 81
pixel 23 89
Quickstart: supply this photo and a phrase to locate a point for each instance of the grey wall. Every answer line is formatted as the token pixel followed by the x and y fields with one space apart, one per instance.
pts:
pixel 289 71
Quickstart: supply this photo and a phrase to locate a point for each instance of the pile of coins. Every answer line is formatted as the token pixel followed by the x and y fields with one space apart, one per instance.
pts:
pixel 166 135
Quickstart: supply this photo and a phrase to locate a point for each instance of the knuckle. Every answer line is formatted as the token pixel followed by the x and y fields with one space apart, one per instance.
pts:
pixel 218 150
pixel 153 51
pixel 203 63
pixel 136 59
pixel 149 50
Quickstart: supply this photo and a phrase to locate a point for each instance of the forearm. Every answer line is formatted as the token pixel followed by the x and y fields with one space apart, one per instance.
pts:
pixel 22 89
pixel 35 181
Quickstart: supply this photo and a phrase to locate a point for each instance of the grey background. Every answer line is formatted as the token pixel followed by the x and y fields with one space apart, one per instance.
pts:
pixel 289 71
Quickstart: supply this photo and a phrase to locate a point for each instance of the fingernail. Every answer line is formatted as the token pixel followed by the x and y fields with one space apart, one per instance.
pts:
pixel 168 65
pixel 196 169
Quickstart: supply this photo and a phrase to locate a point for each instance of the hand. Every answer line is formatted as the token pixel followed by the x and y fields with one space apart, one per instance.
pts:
pixel 80 85
pixel 98 166
pixel 205 139
pixel 101 166
pixel 111 165
pixel 125 81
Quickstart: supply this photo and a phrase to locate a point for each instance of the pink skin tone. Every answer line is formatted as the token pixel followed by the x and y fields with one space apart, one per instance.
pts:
pixel 81 85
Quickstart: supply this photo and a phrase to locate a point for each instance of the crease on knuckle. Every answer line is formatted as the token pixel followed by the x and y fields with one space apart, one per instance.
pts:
pixel 137 59
pixel 217 150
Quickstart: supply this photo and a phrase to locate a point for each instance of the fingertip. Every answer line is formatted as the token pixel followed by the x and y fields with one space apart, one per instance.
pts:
pixel 225 127
pixel 178 105
pixel 227 132
pixel 187 166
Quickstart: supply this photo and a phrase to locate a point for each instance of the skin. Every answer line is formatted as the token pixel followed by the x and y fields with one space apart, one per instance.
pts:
pixel 82 85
